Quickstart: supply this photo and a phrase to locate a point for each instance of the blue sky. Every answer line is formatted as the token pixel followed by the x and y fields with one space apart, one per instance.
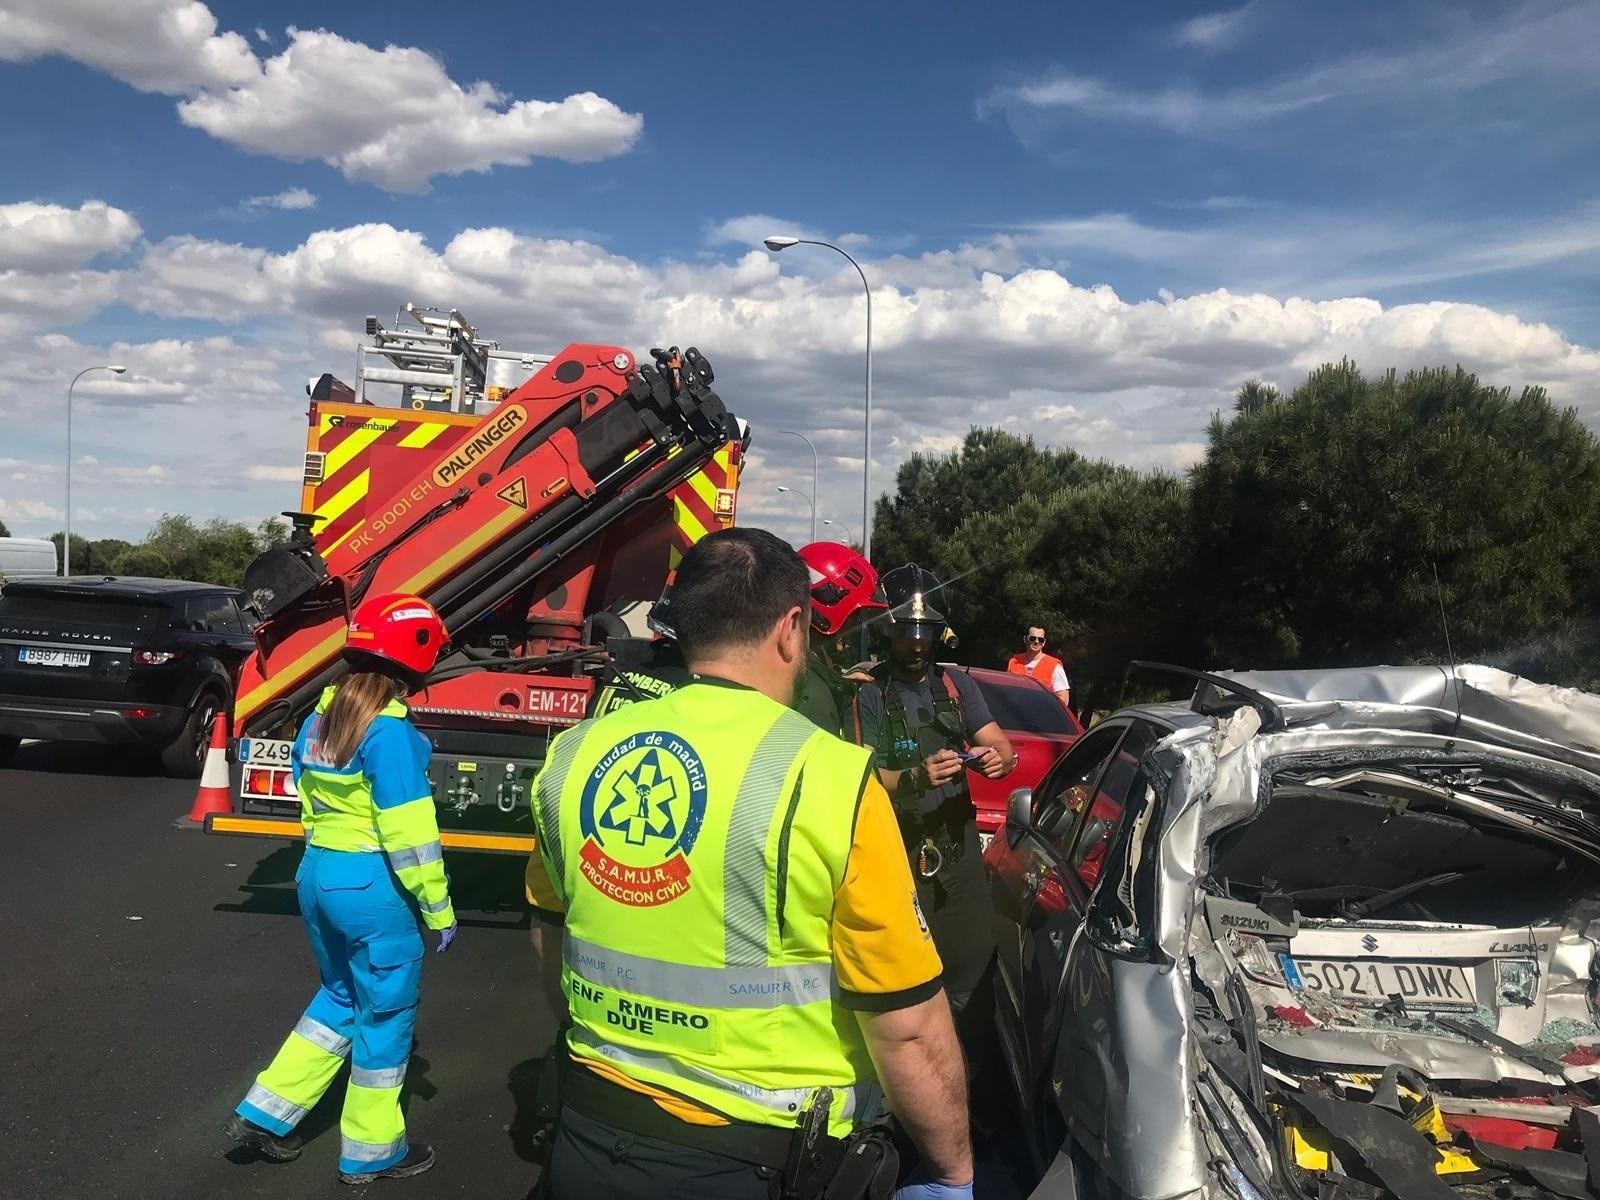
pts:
pixel 1089 222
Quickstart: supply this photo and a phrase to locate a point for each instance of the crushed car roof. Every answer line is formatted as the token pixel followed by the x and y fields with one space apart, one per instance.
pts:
pixel 1482 703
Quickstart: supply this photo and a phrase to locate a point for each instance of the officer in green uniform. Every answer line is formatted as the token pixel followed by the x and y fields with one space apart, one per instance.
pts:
pixel 922 720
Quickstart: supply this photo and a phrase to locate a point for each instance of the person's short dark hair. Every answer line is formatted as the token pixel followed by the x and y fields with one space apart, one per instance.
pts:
pixel 732 587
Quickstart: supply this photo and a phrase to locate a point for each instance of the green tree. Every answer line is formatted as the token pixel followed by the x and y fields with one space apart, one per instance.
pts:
pixel 935 493
pixel 178 548
pixel 1320 518
pixel 4 532
pixel 272 533
pixel 1102 566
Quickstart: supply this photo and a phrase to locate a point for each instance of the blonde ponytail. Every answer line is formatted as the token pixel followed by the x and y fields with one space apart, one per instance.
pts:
pixel 360 698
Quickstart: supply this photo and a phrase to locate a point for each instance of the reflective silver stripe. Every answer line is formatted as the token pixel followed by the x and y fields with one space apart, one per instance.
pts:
pixel 380 1077
pixel 318 805
pixel 437 907
pixel 784 1102
pixel 320 1035
pixel 745 870
pixel 274 1105
pixel 702 987
pixel 552 781
pixel 370 1151
pixel 415 856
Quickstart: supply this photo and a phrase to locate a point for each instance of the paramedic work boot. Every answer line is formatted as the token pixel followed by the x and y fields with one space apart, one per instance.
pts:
pixel 262 1141
pixel 419 1158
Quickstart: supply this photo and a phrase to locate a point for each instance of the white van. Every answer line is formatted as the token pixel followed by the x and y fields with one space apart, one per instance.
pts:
pixel 23 558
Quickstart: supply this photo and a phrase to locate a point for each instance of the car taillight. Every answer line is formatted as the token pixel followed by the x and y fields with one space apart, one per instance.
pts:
pixel 261 782
pixel 153 658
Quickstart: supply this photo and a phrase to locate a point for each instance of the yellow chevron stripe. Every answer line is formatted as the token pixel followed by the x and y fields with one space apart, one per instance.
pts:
pixel 683 517
pixel 421 435
pixel 704 489
pixel 287 676
pixel 339 503
pixel 352 445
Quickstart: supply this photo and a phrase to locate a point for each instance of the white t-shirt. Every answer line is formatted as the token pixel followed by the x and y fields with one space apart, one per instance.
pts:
pixel 1058 681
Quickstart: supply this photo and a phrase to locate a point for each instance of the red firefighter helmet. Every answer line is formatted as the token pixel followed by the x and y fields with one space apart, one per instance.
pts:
pixel 396 634
pixel 843 584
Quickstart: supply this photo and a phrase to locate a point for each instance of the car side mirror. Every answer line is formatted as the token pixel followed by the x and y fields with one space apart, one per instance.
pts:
pixel 1019 813
pixel 1019 807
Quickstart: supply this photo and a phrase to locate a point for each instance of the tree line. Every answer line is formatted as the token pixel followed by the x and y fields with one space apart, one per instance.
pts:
pixel 177 547
pixel 1357 519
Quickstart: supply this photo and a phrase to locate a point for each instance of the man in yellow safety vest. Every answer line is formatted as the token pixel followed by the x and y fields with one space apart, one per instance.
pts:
pixel 745 966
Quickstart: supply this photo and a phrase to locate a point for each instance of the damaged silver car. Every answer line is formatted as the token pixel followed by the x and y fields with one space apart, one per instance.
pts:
pixel 1322 935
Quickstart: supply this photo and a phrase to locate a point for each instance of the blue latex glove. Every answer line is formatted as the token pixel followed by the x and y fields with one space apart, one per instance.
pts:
pixel 446 936
pixel 933 1191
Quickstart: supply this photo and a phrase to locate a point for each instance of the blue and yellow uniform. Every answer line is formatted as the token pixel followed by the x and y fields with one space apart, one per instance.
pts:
pixel 373 866
pixel 732 880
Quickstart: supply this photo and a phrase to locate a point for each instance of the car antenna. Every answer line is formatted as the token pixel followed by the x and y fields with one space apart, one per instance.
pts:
pixel 1444 622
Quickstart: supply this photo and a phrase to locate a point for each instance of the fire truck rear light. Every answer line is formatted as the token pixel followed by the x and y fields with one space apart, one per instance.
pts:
pixel 153 658
pixel 283 785
pixel 258 783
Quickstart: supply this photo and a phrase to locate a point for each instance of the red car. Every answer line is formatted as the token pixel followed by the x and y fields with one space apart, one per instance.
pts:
pixel 1039 729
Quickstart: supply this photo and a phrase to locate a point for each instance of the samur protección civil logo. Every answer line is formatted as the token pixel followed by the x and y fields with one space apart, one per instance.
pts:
pixel 641 812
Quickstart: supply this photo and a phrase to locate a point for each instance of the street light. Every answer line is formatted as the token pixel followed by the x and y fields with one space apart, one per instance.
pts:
pixel 783 242
pixel 849 538
pixel 807 441
pixel 66 537
pixel 812 500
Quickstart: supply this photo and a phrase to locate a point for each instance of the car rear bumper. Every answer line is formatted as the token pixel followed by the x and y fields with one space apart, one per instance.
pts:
pixel 90 721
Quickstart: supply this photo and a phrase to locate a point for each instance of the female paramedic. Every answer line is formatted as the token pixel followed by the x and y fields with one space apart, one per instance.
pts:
pixel 372 867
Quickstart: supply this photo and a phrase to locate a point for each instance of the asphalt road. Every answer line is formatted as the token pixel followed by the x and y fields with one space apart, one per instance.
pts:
pixel 150 973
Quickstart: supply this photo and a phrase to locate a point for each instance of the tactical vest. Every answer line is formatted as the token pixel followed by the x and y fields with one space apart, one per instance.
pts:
pixel 905 745
pixel 697 842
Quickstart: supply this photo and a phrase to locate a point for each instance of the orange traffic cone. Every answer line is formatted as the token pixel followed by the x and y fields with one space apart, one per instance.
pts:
pixel 216 793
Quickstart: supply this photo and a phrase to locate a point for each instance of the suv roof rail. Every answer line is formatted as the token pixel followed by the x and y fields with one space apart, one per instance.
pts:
pixel 1271 712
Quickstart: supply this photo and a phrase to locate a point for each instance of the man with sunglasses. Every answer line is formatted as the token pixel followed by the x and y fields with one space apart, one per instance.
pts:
pixel 1046 668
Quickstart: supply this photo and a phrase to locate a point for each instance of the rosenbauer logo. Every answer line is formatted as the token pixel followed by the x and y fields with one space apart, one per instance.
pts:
pixel 469 452
pixel 640 815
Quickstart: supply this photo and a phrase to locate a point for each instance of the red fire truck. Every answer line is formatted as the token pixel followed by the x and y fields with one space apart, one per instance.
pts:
pixel 540 502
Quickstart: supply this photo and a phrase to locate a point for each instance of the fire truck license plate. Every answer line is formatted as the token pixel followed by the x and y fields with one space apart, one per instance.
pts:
pixel 559 703
pixel 264 752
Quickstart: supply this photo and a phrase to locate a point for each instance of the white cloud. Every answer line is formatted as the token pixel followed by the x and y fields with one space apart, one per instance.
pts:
pixel 290 200
pixel 1538 40
pixel 167 46
pixel 263 36
pixel 1215 30
pixel 754 228
pixel 271 474
pixel 393 117
pixel 48 237
pixel 20 514
pixel 1291 249
pixel 971 335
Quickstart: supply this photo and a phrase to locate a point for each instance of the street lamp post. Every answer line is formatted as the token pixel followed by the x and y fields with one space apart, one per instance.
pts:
pixel 849 538
pixel 66 537
pixel 783 242
pixel 812 500
pixel 807 441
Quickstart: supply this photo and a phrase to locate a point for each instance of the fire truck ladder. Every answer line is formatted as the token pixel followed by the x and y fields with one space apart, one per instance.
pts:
pixel 583 443
pixel 441 365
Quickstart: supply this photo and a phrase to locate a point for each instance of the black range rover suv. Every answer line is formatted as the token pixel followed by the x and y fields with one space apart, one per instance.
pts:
pixel 119 660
